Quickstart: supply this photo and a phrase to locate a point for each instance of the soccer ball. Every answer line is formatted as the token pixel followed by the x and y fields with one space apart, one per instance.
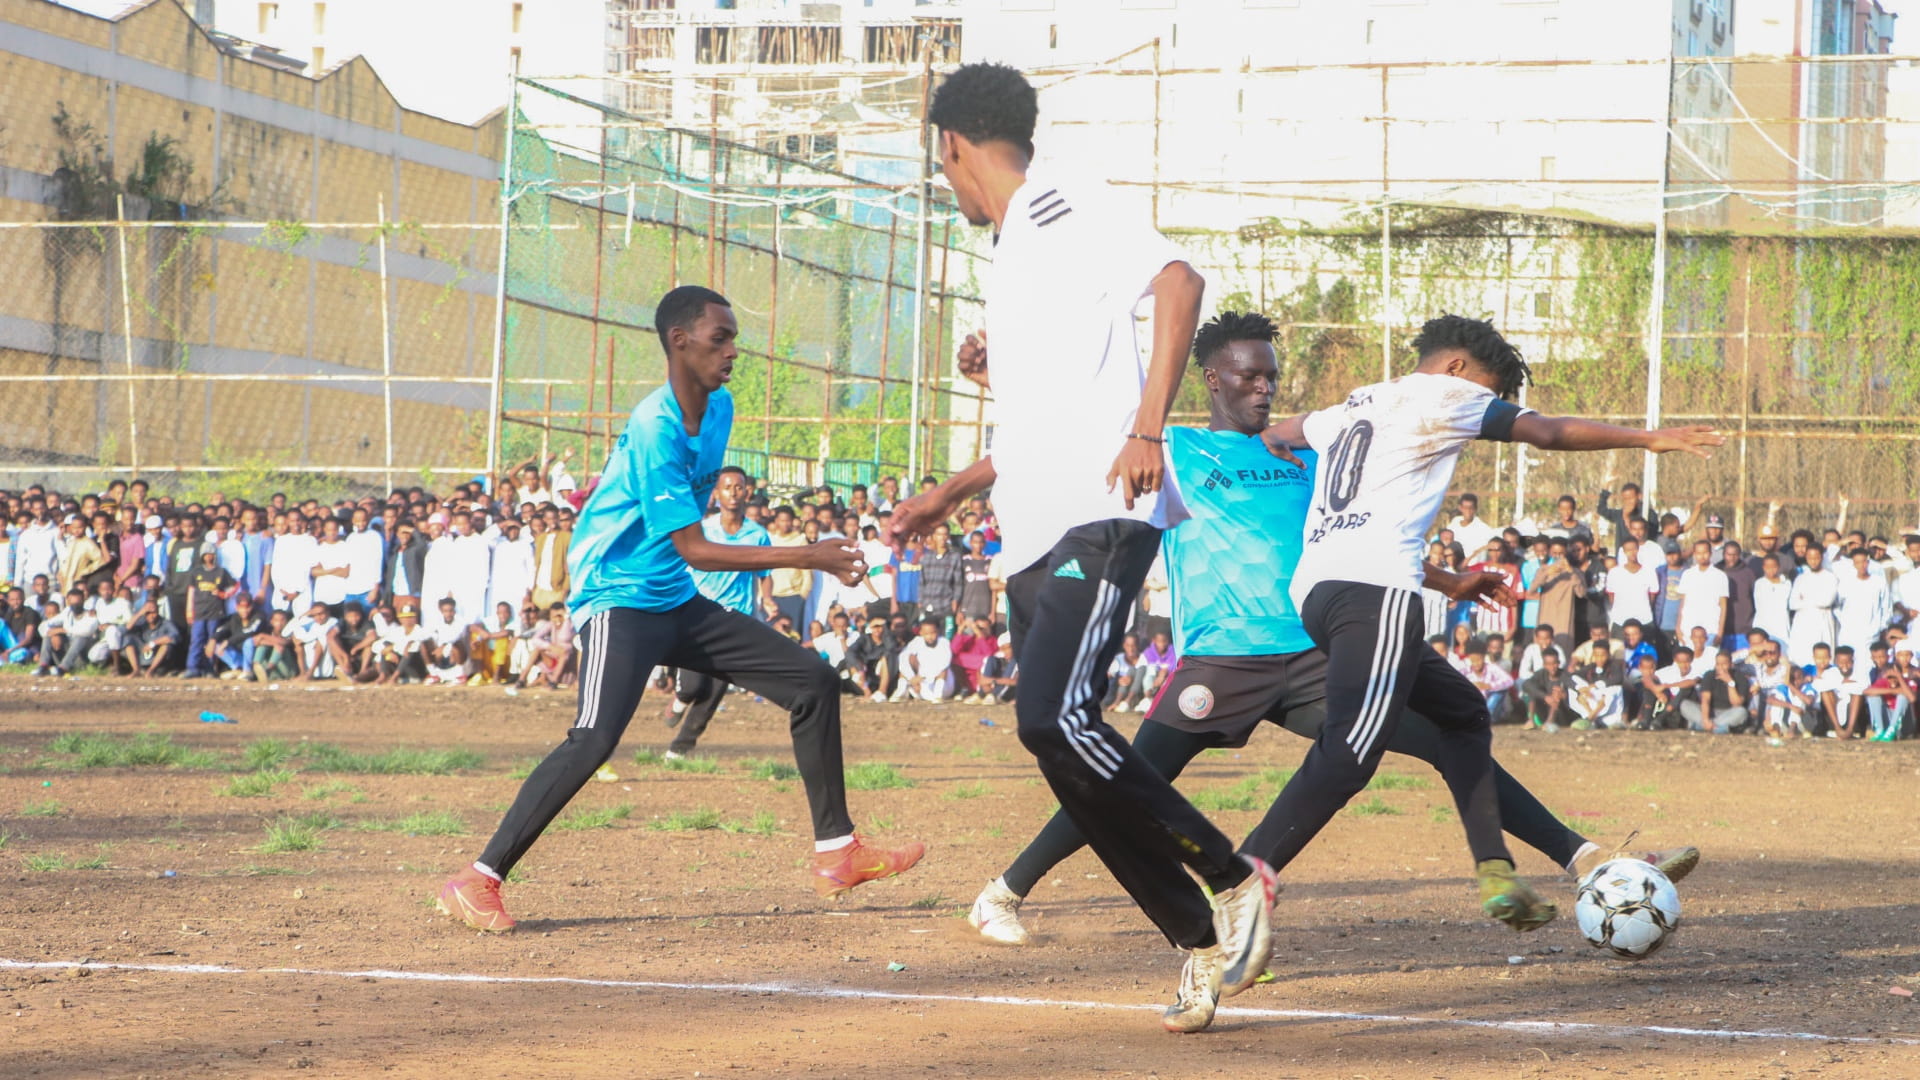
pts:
pixel 1627 907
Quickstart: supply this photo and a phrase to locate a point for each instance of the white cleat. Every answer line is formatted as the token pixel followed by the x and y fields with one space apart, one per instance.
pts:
pixel 1242 919
pixel 1199 993
pixel 996 914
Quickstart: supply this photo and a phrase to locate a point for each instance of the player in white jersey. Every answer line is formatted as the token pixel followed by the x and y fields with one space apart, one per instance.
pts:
pixel 1387 455
pixel 1076 470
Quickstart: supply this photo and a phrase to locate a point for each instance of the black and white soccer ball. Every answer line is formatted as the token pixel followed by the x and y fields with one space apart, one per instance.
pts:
pixel 1627 907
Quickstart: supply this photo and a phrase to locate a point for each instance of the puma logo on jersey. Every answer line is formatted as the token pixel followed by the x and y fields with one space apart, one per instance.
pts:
pixel 1070 569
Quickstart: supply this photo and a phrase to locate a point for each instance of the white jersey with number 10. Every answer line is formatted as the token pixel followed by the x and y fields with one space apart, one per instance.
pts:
pixel 1386 459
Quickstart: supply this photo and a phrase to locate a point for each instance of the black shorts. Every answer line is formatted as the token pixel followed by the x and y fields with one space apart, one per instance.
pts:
pixel 1229 696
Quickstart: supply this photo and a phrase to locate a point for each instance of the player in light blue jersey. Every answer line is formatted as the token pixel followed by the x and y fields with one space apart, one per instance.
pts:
pixel 697 696
pixel 1245 657
pixel 637 606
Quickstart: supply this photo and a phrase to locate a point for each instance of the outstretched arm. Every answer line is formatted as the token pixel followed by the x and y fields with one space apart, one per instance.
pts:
pixel 914 517
pixel 1573 433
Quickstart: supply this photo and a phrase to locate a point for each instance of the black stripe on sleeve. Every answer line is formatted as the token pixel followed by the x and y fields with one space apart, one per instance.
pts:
pixel 1496 424
pixel 1050 193
pixel 1063 212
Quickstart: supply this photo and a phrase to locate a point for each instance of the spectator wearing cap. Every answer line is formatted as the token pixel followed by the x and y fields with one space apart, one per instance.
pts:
pixel 401 648
pixel 1000 675
pixel 207 590
pixel 441 565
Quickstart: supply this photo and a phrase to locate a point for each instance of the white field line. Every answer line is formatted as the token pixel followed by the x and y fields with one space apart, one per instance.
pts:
pixel 1531 1027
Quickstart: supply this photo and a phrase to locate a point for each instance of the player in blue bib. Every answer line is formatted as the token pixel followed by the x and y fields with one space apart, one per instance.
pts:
pixel 637 606
pixel 1245 657
pixel 696 697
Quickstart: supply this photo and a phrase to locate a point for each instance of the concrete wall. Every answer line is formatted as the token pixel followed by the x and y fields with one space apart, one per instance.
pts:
pixel 260 144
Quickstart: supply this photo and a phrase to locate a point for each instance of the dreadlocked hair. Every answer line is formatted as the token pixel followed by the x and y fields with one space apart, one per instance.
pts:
pixel 986 103
pixel 1493 353
pixel 1228 327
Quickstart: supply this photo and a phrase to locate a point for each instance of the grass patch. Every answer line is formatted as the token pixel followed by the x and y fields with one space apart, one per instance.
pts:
pixel 1388 781
pixel 44 808
pixel 1374 807
pixel 1250 793
pixel 255 785
pixel 687 821
pixel 763 824
pixel 582 820
pixel 646 757
pixel 425 823
pixel 98 862
pixel 884 823
pixel 98 751
pixel 6 837
pixel 928 903
pixel 770 769
pixel 1440 815
pixel 265 754
pixel 876 776
pixel 400 761
pixel 968 791
pixel 44 863
pixel 524 769
pixel 329 789
pixel 297 832
pixel 702 765
pixel 1644 790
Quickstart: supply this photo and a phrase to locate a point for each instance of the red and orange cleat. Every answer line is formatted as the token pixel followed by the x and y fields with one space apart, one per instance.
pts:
pixel 474 899
pixel 834 872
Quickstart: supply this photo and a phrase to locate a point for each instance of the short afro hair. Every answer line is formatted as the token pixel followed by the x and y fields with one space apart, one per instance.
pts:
pixel 986 103
pixel 682 307
pixel 1482 342
pixel 1228 327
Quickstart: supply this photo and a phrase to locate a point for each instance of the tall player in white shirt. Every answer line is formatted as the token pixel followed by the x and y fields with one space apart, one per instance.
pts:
pixel 1387 455
pixel 1080 526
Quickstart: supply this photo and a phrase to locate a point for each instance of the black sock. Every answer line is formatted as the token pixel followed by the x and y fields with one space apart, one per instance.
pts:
pixel 1232 876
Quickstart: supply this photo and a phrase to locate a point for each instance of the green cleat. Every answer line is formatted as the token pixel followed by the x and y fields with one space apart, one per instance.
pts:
pixel 1506 898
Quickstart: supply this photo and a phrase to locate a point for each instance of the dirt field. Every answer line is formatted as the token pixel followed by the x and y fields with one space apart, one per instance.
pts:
pixel 146 932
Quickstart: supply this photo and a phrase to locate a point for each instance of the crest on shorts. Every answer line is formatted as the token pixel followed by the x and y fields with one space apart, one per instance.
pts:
pixel 1196 702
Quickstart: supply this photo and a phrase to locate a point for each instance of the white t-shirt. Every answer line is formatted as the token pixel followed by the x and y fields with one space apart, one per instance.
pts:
pixel 1069 269
pixel 1630 594
pixel 446 633
pixel 1386 458
pixel 308 631
pixel 332 588
pixel 1701 590
pixel 934 659
pixel 402 641
pixel 1473 535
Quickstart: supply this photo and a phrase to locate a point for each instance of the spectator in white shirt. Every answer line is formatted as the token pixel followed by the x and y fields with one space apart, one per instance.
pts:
pixel 1771 595
pixel 114 611
pixel 1704 591
pixel 230 552
pixel 365 553
pixel 1470 530
pixel 926 666
pixel 1532 659
pixel 332 565
pixel 1631 587
pixel 402 649
pixel 294 552
pixel 1842 689
pixel 513 567
pixel 446 652
pixel 472 564
pixel 1863 602
pixel 314 646
pixel 67 634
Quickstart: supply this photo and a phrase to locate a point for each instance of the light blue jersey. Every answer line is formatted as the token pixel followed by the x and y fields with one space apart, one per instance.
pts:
pixel 1231 562
pixel 732 589
pixel 657 482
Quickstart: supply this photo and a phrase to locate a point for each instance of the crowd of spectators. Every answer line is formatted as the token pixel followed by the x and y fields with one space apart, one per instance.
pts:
pixel 1625 618
pixel 1670 622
